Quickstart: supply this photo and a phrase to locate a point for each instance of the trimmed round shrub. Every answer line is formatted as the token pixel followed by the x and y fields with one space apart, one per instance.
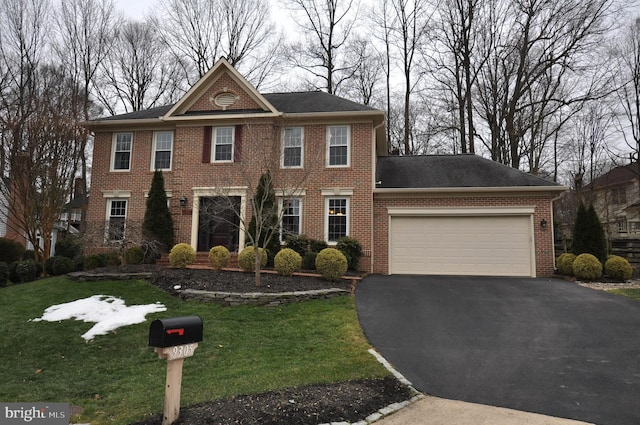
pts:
pixel 93 262
pixel 4 274
pixel 564 263
pixel 181 255
pixel 247 259
pixel 331 264
pixel 28 271
pixel 287 261
pixel 587 267
pixel 618 268
pixel 62 265
pixel 134 255
pixel 219 257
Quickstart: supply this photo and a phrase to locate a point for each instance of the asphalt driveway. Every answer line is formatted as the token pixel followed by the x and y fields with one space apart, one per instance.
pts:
pixel 539 345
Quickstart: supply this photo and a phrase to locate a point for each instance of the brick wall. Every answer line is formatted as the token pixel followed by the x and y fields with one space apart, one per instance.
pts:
pixel 544 252
pixel 260 149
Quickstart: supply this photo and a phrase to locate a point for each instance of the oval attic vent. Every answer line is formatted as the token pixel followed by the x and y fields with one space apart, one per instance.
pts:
pixel 224 100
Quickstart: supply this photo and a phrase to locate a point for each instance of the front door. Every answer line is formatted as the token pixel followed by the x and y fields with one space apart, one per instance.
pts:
pixel 219 223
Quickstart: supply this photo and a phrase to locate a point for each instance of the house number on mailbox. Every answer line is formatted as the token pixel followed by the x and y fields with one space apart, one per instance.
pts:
pixel 182 351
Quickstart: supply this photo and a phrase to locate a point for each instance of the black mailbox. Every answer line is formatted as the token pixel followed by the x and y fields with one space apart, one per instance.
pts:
pixel 175 331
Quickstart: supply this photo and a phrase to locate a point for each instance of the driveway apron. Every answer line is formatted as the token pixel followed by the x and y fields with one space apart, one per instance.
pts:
pixel 538 345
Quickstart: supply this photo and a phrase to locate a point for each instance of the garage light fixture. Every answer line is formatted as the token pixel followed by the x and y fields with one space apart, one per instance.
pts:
pixel 543 223
pixel 183 202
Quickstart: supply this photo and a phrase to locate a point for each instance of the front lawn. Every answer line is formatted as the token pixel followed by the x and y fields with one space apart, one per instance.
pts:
pixel 118 379
pixel 633 293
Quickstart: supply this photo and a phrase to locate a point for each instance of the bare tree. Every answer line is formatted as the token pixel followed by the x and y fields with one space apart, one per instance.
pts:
pixel 363 86
pixel 44 167
pixel 84 38
pixel 327 25
pixel 536 54
pixel 138 73
pixel 626 57
pixel 412 19
pixel 199 32
pixel 458 56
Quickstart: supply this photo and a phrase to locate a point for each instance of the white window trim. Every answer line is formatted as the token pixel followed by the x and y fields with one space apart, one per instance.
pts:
pixel 282 156
pixel 113 152
pixel 281 213
pixel 328 146
pixel 326 217
pixel 214 145
pixel 108 218
pixel 154 150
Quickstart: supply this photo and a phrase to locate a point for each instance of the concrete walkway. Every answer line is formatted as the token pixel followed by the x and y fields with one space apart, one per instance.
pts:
pixel 439 411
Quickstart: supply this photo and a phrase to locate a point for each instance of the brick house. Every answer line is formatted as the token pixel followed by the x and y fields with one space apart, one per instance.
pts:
pixel 616 199
pixel 332 176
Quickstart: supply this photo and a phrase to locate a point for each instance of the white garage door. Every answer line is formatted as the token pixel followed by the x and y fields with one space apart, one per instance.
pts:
pixel 463 245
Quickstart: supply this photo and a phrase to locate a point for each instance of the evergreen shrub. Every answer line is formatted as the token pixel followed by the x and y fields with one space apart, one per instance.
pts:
pixel 247 259
pixel 331 264
pixel 4 274
pixel 587 267
pixel 28 271
pixel 618 268
pixel 62 265
pixel 287 261
pixel 182 255
pixel 134 255
pixel 93 262
pixel 351 249
pixel 564 263
pixel 11 250
pixel 219 257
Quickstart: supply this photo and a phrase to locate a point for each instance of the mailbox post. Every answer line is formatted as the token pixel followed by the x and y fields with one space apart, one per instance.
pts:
pixel 174 339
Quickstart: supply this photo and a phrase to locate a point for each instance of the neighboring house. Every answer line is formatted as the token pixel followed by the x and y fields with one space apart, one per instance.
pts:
pixel 616 199
pixel 430 214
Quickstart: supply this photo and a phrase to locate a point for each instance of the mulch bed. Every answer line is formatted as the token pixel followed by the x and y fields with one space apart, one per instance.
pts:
pixel 234 281
pixel 311 405
pixel 350 401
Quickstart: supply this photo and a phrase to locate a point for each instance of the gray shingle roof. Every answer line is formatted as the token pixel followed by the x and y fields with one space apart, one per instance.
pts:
pixel 315 101
pixel 290 103
pixel 443 171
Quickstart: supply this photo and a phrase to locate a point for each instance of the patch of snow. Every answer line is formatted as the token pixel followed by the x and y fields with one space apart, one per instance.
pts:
pixel 107 312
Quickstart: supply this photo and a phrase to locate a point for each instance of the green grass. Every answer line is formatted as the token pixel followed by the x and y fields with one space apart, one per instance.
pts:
pixel 118 379
pixel 634 294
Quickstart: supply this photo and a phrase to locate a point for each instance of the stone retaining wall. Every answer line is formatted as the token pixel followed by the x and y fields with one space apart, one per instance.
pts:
pixel 260 298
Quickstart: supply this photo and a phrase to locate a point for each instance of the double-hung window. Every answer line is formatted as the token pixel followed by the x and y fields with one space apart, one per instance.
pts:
pixel 338 146
pixel 162 150
pixel 223 144
pixel 116 218
pixel 292 147
pixel 291 213
pixel 121 152
pixel 337 210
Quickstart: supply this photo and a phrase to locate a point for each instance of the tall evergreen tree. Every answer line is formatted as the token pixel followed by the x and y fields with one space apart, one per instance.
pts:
pixel 588 234
pixel 158 224
pixel 263 228
pixel 598 239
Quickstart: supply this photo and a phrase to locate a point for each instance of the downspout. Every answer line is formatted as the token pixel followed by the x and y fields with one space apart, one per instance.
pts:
pixel 373 185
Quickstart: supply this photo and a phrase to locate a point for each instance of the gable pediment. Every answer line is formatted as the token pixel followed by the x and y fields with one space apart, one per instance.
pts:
pixel 222 92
